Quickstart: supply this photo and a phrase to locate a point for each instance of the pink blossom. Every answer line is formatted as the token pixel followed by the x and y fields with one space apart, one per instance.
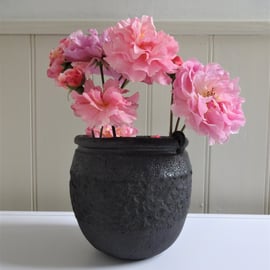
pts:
pixel 177 60
pixel 135 49
pixel 121 131
pixel 71 78
pixel 126 131
pixel 99 107
pixel 209 100
pixel 77 49
pixel 56 62
pixel 83 48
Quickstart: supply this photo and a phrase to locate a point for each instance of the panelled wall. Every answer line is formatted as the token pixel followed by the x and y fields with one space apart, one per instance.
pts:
pixel 37 126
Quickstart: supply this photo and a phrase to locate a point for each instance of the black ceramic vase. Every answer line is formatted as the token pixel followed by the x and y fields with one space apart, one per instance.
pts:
pixel 131 195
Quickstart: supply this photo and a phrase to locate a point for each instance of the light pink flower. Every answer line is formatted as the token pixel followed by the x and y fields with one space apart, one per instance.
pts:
pixel 71 78
pixel 209 100
pixel 99 107
pixel 135 49
pixel 121 131
pixel 83 48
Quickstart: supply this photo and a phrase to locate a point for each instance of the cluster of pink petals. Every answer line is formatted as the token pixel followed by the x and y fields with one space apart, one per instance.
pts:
pixel 209 100
pixel 81 47
pixel 71 78
pixel 121 131
pixel 136 50
pixel 57 60
pixel 108 106
pixel 76 54
pixel 133 50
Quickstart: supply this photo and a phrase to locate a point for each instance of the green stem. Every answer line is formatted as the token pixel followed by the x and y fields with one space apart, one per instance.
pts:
pixel 114 131
pixel 101 73
pixel 124 83
pixel 183 128
pixel 100 133
pixel 177 124
pixel 171 117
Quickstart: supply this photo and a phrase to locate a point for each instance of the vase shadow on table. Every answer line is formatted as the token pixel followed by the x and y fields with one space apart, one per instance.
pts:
pixel 51 246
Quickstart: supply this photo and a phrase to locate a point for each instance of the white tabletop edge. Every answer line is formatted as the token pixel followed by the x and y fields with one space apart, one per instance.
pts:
pixel 190 215
pixel 207 242
pixel 36 213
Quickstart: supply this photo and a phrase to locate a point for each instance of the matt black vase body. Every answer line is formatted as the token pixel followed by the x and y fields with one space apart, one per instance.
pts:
pixel 131 195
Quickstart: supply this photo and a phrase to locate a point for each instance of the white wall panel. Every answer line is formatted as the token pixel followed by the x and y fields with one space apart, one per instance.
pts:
pixel 56 128
pixel 34 166
pixel 239 168
pixel 116 9
pixel 15 123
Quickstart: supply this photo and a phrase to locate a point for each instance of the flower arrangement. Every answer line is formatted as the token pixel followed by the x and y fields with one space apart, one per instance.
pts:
pixel 134 51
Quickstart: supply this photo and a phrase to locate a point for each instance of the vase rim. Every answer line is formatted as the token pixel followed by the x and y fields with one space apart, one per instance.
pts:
pixel 164 144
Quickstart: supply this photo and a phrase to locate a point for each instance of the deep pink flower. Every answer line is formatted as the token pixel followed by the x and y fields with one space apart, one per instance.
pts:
pixel 208 99
pixel 71 78
pixel 135 49
pixel 99 107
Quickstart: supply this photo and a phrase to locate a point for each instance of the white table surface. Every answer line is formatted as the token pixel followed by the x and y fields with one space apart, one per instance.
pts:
pixel 52 240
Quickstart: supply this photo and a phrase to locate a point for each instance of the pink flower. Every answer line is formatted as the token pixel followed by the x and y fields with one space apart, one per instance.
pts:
pixel 121 131
pixel 56 62
pixel 83 48
pixel 135 49
pixel 177 60
pixel 77 49
pixel 126 131
pixel 209 100
pixel 71 78
pixel 99 107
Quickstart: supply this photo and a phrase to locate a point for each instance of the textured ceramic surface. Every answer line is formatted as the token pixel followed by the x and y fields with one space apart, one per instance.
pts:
pixel 131 196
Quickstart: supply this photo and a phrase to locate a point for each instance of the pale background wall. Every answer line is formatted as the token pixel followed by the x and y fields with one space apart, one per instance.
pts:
pixel 37 127
pixel 237 10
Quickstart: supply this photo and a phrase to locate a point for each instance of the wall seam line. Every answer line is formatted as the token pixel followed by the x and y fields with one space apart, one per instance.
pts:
pixel 267 169
pixel 207 176
pixel 33 124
